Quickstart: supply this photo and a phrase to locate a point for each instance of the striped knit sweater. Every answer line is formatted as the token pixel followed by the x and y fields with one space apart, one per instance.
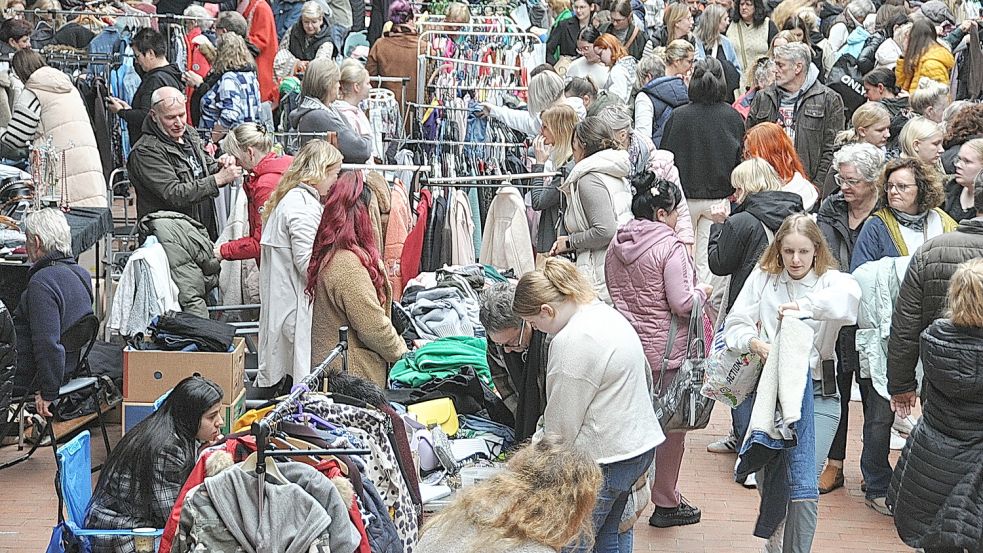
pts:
pixel 24 122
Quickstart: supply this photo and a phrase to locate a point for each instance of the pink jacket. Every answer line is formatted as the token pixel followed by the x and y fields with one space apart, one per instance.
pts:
pixel 663 164
pixel 650 276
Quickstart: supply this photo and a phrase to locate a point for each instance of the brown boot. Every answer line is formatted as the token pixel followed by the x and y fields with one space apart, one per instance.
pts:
pixel 830 479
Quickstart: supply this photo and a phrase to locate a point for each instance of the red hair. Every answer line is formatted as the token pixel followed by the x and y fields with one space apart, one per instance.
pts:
pixel 769 142
pixel 345 225
pixel 608 41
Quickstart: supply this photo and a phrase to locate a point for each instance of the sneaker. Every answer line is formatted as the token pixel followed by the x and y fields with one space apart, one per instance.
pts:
pixel 904 425
pixel 830 479
pixel 727 444
pixel 855 392
pixel 879 504
pixel 751 482
pixel 897 441
pixel 680 515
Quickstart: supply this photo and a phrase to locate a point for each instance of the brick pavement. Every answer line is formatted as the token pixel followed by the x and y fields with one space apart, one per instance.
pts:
pixel 28 504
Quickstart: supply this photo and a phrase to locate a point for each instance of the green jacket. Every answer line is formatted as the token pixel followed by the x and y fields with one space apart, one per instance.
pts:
pixel 194 268
pixel 441 359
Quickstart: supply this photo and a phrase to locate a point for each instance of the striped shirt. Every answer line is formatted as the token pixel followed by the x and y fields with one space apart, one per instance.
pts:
pixel 234 99
pixel 24 122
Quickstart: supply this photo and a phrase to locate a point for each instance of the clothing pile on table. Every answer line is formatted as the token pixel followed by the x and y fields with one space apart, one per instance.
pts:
pixel 445 303
pixel 177 331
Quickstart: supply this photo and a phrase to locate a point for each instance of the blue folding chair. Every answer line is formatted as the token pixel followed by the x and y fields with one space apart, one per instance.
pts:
pixel 73 482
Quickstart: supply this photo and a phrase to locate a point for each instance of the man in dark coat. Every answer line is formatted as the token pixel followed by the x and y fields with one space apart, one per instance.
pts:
pixel 58 295
pixel 922 299
pixel 169 169
pixel 150 53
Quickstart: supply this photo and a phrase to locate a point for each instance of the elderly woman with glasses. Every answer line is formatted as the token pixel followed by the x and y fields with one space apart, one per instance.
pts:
pixel 840 218
pixel 516 356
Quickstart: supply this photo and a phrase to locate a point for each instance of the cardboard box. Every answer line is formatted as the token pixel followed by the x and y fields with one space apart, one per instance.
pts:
pixel 147 374
pixel 134 412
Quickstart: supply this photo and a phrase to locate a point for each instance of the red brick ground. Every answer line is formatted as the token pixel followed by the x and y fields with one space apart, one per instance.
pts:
pixel 28 504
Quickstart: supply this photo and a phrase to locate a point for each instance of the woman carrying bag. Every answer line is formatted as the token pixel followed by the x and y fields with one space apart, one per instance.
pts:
pixel 652 281
pixel 796 273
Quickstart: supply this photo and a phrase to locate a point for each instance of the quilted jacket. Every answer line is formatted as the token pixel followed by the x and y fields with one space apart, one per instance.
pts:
pixel 922 297
pixel 937 488
pixel 651 277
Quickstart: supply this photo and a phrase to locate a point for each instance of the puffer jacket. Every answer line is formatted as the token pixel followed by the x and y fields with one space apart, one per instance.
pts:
pixel 867 60
pixel 666 94
pixel 818 118
pixel 922 297
pixel 736 244
pixel 936 64
pixel 259 184
pixel 303 47
pixel 65 120
pixel 608 169
pixel 879 283
pixel 937 488
pixel 651 277
pixel 189 254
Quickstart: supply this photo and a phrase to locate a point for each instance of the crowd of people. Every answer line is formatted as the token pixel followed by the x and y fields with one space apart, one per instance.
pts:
pixel 797 179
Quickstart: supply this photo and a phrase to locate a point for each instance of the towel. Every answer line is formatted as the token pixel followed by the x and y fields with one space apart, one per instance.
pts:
pixel 779 395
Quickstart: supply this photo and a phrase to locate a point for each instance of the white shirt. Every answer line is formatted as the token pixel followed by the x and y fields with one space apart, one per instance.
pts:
pixel 596 72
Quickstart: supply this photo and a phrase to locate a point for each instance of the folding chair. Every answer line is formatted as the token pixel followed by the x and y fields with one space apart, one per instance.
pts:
pixel 77 339
pixel 73 483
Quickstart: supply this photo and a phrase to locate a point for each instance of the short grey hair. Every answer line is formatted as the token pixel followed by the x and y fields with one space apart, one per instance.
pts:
pixel 617 116
pixel 866 158
pixel 51 227
pixel 201 16
pixel 496 312
pixel 544 90
pixel 794 51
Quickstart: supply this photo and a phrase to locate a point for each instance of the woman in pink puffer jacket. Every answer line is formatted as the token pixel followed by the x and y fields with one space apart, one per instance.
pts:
pixel 651 278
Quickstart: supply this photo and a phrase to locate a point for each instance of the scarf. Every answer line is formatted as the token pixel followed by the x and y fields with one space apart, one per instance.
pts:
pixel 913 222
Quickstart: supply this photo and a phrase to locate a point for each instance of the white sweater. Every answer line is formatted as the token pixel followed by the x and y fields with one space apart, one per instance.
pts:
pixel 833 299
pixel 597 387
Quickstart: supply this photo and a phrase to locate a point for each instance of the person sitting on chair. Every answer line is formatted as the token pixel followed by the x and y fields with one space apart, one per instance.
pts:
pixel 58 295
pixel 143 475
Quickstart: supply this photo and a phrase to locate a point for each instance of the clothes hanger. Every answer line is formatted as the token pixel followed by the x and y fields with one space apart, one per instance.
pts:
pixel 249 465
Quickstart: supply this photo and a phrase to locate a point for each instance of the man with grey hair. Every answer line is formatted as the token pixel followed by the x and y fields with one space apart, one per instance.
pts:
pixel 58 295
pixel 169 168
pixel 517 356
pixel 810 113
pixel 841 216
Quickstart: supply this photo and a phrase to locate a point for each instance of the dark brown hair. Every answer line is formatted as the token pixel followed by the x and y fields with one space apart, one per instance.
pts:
pixel 927 179
pixel 25 63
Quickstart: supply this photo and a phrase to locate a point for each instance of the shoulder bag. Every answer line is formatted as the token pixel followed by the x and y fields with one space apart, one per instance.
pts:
pixel 682 407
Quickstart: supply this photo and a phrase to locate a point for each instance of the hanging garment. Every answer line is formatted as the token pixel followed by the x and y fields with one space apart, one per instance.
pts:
pixel 145 290
pixel 506 243
pixel 462 229
pixel 410 259
pixel 400 225
pixel 238 281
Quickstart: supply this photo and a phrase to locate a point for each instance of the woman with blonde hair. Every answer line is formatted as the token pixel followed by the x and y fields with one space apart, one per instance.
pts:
pixel 662 88
pixel 290 220
pixel 598 387
pixel 711 42
pixel 930 99
pixel 564 31
pixel 948 429
pixel 316 115
pixel 553 152
pixel 251 146
pixel 540 503
pixel 354 88
pixel 457 12
pixel 235 98
pixel 871 124
pixel 308 39
pixel 677 24
pixel 921 139
pixel 796 277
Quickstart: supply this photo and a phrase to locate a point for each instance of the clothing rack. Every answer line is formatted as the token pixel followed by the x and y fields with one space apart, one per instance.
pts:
pixel 367 167
pixel 479 178
pixel 39 12
pixel 453 143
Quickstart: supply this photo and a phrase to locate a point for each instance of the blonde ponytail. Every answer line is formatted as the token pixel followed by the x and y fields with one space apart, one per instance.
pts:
pixel 558 281
pixel 312 165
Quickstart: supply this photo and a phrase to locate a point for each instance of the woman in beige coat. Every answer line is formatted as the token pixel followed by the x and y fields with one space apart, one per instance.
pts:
pixel 290 219
pixel 348 283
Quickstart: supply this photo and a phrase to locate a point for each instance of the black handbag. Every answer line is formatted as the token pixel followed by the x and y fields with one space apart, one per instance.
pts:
pixel 683 407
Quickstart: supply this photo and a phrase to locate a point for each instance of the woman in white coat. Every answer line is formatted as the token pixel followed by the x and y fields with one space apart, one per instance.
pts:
pixel 598 200
pixel 290 220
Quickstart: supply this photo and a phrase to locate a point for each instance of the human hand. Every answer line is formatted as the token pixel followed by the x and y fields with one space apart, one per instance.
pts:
pixel 967 25
pixel 903 403
pixel 790 306
pixel 217 252
pixel 541 149
pixel 706 288
pixel 226 160
pixel 192 79
pixel 301 67
pixel 227 174
pixel 760 348
pixel 720 212
pixel 116 105
pixel 562 245
pixel 486 109
pixel 43 407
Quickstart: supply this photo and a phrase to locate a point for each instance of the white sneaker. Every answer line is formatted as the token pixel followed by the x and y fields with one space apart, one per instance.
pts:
pixel 751 482
pixel 855 392
pixel 904 425
pixel 727 444
pixel 897 440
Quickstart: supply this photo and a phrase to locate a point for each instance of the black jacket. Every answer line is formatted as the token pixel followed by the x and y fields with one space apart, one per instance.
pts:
pixel 736 244
pixel 900 114
pixel 58 295
pixel 635 47
pixel 952 205
pixel 868 54
pixel 304 48
pixel 834 222
pixel 525 374
pixel 164 179
pixel 922 297
pixel 563 37
pixel 707 141
pixel 8 353
pixel 169 75
pixel 937 488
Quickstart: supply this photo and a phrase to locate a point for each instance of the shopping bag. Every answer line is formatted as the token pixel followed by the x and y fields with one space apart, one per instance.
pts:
pixel 731 376
pixel 683 407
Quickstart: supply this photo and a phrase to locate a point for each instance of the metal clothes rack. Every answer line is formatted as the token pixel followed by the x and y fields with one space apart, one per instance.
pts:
pixel 385 168
pixel 121 13
pixel 481 178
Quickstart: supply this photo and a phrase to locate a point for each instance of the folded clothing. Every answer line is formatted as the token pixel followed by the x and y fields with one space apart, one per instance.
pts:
pixel 440 359
pixel 179 331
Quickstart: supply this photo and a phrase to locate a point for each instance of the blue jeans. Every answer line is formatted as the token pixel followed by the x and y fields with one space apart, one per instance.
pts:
pixel 619 478
pixel 874 463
